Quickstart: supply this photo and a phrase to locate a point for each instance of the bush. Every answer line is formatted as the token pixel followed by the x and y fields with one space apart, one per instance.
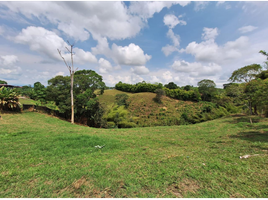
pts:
pixel 159 94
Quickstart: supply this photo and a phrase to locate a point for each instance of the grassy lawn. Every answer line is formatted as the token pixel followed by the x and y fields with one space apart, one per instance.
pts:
pixel 42 156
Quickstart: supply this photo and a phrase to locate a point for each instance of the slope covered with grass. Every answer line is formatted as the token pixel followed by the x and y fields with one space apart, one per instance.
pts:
pixel 145 112
pixel 42 156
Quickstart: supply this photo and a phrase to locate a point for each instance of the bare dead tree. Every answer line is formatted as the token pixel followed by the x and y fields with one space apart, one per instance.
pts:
pixel 72 71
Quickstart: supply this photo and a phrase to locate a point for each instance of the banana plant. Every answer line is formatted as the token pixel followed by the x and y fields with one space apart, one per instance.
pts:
pixel 9 99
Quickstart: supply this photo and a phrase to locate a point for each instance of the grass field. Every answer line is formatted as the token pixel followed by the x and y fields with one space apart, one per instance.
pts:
pixel 42 156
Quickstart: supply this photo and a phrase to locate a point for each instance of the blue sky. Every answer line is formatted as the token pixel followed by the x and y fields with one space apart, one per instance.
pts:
pixel 183 42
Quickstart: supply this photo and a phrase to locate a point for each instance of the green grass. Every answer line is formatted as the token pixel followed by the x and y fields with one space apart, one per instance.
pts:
pixel 42 156
pixel 27 101
pixel 148 113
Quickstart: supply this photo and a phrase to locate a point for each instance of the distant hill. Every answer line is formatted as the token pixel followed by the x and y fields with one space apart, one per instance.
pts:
pixel 146 112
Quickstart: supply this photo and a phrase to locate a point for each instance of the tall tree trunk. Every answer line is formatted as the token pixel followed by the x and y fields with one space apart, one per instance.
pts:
pixel 255 110
pixel 72 97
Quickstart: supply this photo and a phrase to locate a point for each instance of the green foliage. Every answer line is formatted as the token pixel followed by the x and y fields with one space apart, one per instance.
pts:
pixel 191 95
pixel 263 75
pixel 257 91
pixel 159 94
pixel 138 87
pixel 118 117
pixel 27 91
pixel 171 85
pixel 9 99
pixel 3 82
pixel 86 103
pixel 122 100
pixel 207 88
pixel 39 92
pixel 245 74
pixel 187 87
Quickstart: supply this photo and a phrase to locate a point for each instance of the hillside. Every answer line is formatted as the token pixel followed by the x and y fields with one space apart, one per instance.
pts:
pixel 42 156
pixel 146 112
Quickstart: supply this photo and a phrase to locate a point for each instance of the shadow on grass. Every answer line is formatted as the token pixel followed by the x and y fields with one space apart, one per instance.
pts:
pixel 253 136
pixel 244 118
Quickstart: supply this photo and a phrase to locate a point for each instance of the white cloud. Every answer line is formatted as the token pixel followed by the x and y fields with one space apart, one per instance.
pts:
pixel 105 66
pixel 72 31
pixel 210 51
pixel 8 68
pixel 140 70
pixel 200 5
pixel 129 55
pixel 168 49
pixel 47 42
pixel 196 69
pixel 75 19
pixel 147 9
pixel 246 29
pixel 175 38
pixel 209 33
pixel 171 21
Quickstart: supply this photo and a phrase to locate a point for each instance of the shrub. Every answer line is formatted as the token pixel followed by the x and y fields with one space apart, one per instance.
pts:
pixel 159 94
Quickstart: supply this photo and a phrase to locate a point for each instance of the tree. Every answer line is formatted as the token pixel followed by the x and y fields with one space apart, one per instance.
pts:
pixel 86 104
pixel 245 74
pixel 207 88
pixel 3 82
pixel 265 54
pixel 257 92
pixel 39 92
pixel 159 94
pixel 171 85
pixel 72 71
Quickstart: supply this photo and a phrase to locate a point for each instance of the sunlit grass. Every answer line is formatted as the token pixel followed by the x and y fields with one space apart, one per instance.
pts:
pixel 42 156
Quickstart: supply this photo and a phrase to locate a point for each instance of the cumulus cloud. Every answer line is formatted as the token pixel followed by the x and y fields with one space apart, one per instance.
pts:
pixel 47 42
pixel 147 9
pixel 209 51
pixel 209 33
pixel 122 55
pixel 196 69
pixel 140 70
pixel 105 66
pixel 8 68
pixel 76 19
pixel 171 21
pixel 246 29
pixel 169 49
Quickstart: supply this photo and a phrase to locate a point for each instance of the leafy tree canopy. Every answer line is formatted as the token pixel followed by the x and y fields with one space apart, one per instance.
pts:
pixel 245 74
pixel 207 88
pixel 3 82
pixel 86 102
pixel 171 85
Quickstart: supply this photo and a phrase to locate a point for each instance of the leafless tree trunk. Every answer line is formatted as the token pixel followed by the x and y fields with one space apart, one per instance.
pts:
pixel 72 71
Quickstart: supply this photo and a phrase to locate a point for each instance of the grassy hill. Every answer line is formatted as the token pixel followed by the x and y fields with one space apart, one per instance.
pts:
pixel 42 156
pixel 146 112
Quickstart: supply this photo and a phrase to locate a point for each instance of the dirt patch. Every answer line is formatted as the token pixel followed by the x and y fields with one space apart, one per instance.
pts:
pixel 77 184
pixel 237 195
pixel 180 189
